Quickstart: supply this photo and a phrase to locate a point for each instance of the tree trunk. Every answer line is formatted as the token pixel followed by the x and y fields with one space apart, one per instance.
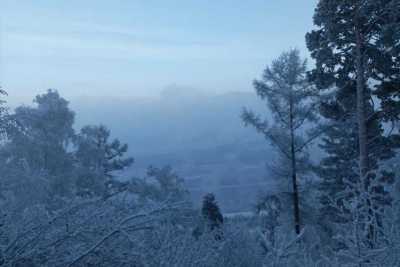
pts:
pixel 361 116
pixel 362 127
pixel 296 207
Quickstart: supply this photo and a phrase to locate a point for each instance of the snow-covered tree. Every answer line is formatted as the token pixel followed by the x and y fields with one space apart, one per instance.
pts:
pixel 284 86
pixel 211 213
pixel 98 158
pixel 338 169
pixel 38 140
pixel 354 43
pixel 353 57
pixel 160 184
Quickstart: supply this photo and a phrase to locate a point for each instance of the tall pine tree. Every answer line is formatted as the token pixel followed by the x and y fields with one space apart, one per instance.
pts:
pixel 350 56
pixel 289 95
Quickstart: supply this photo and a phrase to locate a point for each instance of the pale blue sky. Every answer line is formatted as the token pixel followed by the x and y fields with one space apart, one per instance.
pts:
pixel 138 47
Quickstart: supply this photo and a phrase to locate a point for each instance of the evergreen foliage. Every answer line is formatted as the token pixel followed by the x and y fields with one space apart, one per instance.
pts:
pixel 211 213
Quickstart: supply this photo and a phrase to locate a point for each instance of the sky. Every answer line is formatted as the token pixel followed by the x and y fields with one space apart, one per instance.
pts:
pixel 137 48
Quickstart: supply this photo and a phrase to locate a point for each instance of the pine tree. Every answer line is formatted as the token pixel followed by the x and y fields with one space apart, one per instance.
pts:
pixel 211 213
pixel 350 56
pixel 97 152
pixel 290 98
pixel 98 158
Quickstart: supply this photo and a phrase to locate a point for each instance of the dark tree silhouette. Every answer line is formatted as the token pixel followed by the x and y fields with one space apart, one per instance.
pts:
pixel 211 212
